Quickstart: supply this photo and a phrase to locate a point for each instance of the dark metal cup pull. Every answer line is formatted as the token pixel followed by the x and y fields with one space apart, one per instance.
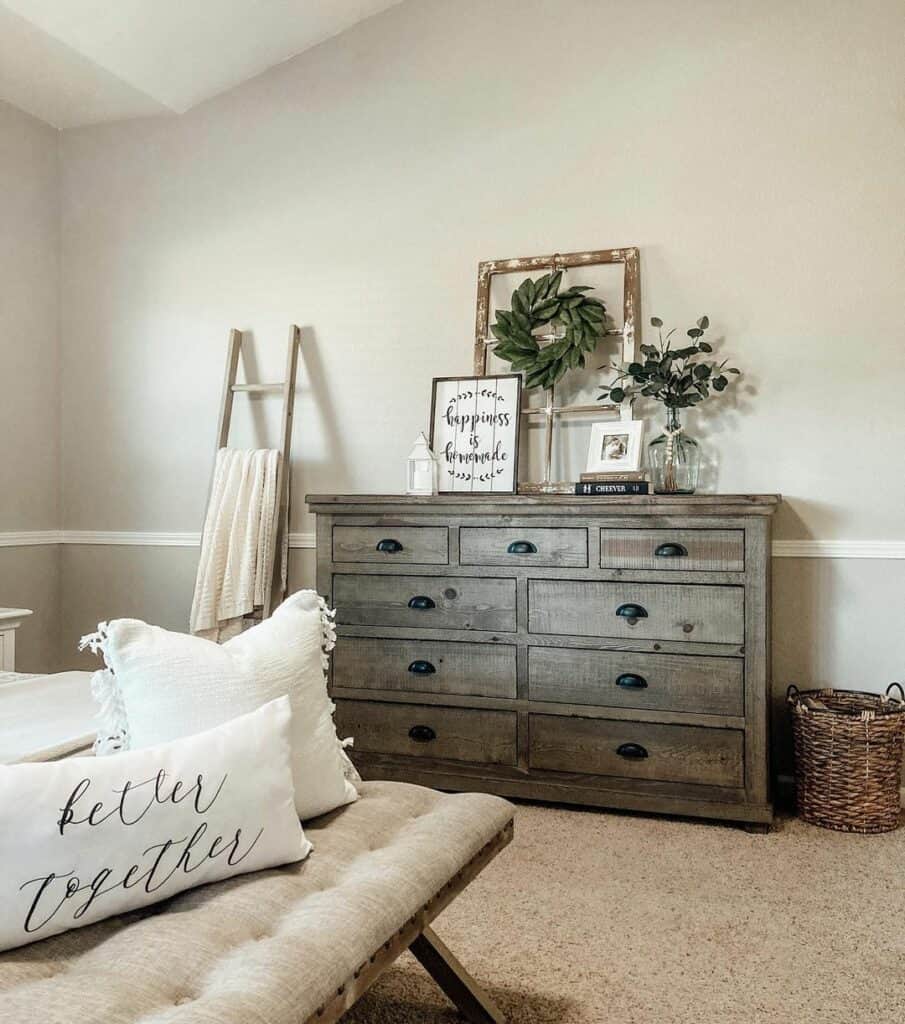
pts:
pixel 422 733
pixel 671 551
pixel 632 682
pixel 522 547
pixel 389 546
pixel 631 611
pixel 633 751
pixel 422 668
pixel 421 602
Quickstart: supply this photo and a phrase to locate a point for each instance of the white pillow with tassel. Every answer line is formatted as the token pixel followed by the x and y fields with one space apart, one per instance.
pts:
pixel 160 686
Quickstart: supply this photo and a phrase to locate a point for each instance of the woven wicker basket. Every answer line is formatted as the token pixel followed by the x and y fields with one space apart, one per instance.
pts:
pixel 848 757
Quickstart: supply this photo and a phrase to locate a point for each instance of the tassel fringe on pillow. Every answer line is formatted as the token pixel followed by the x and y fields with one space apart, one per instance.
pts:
pixel 113 725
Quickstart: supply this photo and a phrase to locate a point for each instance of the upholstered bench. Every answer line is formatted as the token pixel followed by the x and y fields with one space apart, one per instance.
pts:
pixel 286 946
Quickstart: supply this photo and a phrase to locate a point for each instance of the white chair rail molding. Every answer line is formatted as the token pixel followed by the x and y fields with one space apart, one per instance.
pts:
pixel 804 548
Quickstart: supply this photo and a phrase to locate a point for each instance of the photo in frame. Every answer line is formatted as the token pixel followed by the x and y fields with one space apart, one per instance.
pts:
pixel 474 433
pixel 616 446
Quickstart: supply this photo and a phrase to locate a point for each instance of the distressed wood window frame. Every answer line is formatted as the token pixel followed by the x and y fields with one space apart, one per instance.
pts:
pixel 630 332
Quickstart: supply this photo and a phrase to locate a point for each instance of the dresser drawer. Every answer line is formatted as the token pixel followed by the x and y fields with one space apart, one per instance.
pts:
pixel 620 679
pixel 483 670
pixel 502 545
pixel 662 611
pixel 664 753
pixel 455 734
pixel 429 602
pixel 671 550
pixel 407 545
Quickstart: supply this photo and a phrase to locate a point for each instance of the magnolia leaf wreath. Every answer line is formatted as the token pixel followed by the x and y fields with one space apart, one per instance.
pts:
pixel 536 304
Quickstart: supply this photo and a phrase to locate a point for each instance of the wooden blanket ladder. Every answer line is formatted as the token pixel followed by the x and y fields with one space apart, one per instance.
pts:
pixel 273 591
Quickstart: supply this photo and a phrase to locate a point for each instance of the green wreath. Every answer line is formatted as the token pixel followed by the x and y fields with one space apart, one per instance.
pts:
pixel 536 304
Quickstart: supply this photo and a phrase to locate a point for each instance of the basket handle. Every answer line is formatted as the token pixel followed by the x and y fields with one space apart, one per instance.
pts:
pixel 792 692
pixel 901 690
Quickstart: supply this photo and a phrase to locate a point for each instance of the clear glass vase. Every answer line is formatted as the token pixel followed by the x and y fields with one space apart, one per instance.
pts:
pixel 675 459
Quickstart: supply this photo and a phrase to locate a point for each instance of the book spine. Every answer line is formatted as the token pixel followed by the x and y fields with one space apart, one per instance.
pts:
pixel 613 478
pixel 603 490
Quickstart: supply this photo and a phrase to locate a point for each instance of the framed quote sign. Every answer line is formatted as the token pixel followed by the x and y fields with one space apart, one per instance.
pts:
pixel 474 432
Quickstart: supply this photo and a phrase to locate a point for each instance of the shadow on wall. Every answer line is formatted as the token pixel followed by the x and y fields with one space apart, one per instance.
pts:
pixel 255 402
pixel 156 583
pixel 150 583
pixel 836 622
pixel 334 458
pixel 317 441
pixel 30 578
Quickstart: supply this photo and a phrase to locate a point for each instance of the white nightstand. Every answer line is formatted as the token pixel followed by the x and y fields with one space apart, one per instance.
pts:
pixel 10 620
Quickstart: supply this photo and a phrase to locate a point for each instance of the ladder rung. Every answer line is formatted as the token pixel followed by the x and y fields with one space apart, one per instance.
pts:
pixel 258 387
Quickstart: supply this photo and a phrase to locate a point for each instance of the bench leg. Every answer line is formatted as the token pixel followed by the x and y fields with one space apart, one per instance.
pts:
pixel 469 998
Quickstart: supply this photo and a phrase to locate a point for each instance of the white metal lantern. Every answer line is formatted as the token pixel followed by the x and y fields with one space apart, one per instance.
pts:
pixel 422 469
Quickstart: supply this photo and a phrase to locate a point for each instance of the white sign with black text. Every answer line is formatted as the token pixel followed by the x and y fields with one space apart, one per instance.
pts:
pixel 474 432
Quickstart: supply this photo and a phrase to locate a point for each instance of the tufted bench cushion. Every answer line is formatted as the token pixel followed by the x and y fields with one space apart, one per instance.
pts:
pixel 266 948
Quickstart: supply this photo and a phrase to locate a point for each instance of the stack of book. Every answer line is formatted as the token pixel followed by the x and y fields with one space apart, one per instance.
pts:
pixel 602 485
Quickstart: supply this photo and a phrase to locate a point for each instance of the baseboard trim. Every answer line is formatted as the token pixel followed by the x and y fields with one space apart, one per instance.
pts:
pixel 885 549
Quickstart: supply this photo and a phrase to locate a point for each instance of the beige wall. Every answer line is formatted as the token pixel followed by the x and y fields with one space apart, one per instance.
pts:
pixel 30 578
pixel 753 152
pixel 155 584
pixel 29 324
pixel 29 377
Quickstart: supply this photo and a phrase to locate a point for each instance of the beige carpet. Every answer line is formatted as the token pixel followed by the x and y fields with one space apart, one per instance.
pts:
pixel 593 917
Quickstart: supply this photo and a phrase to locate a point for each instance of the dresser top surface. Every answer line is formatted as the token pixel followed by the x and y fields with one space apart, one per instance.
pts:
pixel 635 504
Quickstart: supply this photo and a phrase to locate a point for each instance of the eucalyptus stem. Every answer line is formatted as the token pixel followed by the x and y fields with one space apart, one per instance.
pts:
pixel 677 378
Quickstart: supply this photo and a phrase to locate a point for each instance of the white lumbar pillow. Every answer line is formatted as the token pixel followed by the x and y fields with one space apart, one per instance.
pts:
pixel 160 686
pixel 86 838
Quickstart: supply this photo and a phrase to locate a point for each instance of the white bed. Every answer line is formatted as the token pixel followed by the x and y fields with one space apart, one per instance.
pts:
pixel 43 718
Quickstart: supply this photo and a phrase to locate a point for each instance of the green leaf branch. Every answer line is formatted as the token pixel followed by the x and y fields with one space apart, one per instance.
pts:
pixel 676 377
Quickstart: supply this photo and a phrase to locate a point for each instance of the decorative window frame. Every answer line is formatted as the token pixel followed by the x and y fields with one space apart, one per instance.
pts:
pixel 631 302
pixel 630 332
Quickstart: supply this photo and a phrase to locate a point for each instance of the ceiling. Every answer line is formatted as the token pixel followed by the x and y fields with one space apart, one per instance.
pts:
pixel 76 62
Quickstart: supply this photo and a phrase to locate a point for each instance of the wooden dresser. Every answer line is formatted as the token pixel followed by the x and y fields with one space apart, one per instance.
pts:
pixel 611 652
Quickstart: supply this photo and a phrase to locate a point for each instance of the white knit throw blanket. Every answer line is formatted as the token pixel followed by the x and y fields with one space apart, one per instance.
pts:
pixel 237 543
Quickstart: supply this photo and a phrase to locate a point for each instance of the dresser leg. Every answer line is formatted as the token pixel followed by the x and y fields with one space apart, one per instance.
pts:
pixel 757 828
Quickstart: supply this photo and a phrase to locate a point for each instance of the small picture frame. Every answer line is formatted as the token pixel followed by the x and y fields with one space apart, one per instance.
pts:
pixel 474 433
pixel 615 446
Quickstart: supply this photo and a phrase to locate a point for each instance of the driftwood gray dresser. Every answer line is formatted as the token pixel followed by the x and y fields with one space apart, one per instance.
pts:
pixel 611 652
